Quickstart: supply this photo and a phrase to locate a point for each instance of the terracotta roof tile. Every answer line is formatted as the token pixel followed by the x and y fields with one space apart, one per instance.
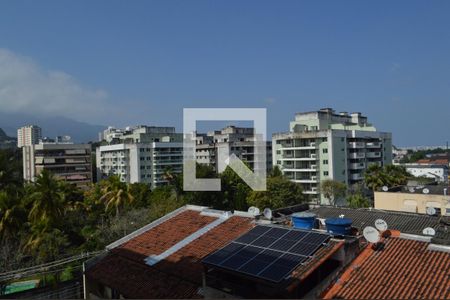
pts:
pixel 177 276
pixel 403 269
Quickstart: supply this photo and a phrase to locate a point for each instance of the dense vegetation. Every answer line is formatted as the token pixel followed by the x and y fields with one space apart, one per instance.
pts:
pixel 49 219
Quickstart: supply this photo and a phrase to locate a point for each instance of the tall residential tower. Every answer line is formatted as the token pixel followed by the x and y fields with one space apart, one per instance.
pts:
pixel 325 145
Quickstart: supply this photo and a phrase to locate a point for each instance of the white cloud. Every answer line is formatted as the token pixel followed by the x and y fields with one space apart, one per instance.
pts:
pixel 27 87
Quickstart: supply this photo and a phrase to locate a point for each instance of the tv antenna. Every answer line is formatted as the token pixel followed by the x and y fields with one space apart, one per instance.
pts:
pixel 429 231
pixel 267 213
pixel 381 225
pixel 371 234
pixel 253 210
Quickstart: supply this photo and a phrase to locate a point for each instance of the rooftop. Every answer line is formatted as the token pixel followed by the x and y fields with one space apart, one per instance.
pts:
pixel 176 240
pixel 411 223
pixel 402 269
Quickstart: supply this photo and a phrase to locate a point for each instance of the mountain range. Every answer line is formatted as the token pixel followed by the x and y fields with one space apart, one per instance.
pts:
pixel 52 126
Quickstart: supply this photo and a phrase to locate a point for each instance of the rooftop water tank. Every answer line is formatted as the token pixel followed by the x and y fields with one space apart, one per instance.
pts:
pixel 339 226
pixel 303 220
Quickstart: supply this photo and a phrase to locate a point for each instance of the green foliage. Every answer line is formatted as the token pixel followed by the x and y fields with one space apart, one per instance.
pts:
pixel 280 193
pixel 357 201
pixel 376 177
pixel 333 190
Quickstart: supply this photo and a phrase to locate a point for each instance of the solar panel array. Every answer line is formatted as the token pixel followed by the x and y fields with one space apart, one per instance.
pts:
pixel 268 252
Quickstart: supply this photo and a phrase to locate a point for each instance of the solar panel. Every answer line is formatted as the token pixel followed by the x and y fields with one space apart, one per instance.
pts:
pixel 268 252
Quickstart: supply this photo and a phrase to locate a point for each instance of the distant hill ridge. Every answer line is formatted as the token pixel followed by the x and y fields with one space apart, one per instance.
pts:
pixel 52 126
pixel 4 137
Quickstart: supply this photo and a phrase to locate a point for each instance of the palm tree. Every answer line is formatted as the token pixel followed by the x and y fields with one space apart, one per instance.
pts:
pixel 12 214
pixel 46 199
pixel 374 177
pixel 173 180
pixel 115 194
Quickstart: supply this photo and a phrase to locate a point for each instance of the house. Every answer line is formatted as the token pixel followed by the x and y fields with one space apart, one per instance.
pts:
pixel 197 252
pixel 404 267
pixel 167 259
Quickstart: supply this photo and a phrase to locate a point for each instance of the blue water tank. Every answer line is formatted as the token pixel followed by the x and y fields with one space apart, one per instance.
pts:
pixel 303 220
pixel 339 226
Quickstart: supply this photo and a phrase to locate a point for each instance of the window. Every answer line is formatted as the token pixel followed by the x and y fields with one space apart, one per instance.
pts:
pixel 447 211
pixel 325 150
pixel 325 161
pixel 325 173
pixel 278 152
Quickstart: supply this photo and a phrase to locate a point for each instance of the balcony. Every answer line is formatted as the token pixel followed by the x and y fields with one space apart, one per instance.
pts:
pixel 356 177
pixel 356 145
pixel 373 154
pixel 357 166
pixel 312 191
pixel 357 155
pixel 373 145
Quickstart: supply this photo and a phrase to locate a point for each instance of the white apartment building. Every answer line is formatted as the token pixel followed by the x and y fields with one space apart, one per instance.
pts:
pixel 144 163
pixel 231 139
pixel 28 135
pixel 325 145
pixel 67 161
pixel 140 154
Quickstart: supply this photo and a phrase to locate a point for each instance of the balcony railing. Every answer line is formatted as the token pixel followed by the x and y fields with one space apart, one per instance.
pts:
pixel 356 145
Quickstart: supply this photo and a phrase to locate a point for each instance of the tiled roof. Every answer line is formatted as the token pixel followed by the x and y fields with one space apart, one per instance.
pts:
pixel 179 274
pixel 403 269
pixel 404 222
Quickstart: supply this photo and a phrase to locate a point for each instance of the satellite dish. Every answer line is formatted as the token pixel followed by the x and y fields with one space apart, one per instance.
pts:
pixel 431 211
pixel 267 213
pixel 253 210
pixel 381 225
pixel 371 234
pixel 385 188
pixel 341 216
pixel 429 231
pixel 426 191
pixel 411 190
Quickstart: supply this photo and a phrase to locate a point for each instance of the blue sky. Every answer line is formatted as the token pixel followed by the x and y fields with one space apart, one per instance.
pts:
pixel 146 60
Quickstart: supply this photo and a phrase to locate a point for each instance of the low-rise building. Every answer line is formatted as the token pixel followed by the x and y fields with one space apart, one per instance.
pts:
pixel 67 161
pixel 401 267
pixel 197 252
pixel 415 199
pixel 437 172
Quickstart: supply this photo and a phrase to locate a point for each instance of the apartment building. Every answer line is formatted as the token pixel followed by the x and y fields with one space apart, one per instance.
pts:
pixel 233 140
pixel 141 154
pixel 67 161
pixel 326 145
pixel 28 135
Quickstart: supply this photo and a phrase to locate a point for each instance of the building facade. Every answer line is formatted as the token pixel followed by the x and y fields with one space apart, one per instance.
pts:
pixel 140 154
pixel 415 199
pixel 233 140
pixel 437 172
pixel 69 162
pixel 143 162
pixel 28 135
pixel 324 145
